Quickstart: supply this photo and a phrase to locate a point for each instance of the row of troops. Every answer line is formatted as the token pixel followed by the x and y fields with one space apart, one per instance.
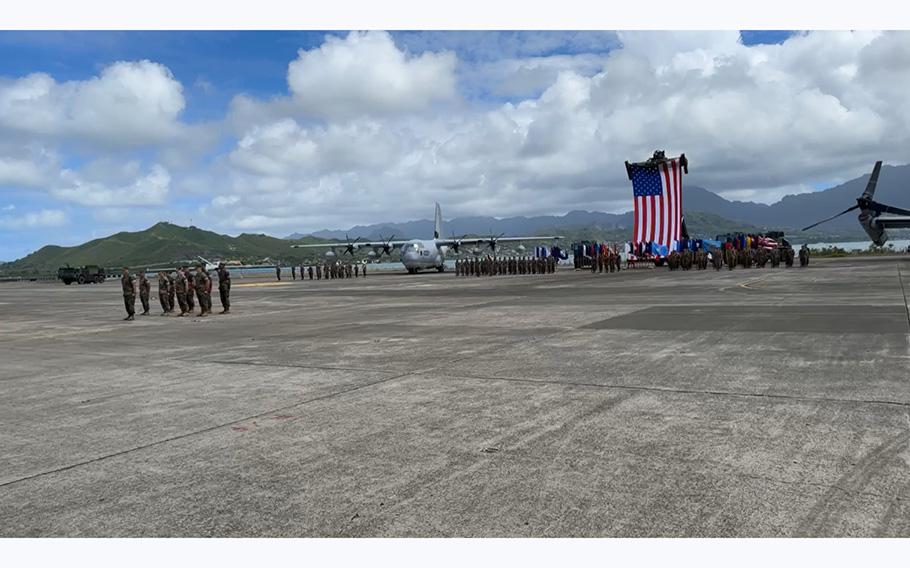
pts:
pixel 746 258
pixel 329 271
pixel 607 261
pixel 505 266
pixel 179 288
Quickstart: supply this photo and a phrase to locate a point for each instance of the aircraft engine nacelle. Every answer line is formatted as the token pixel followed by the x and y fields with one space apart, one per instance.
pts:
pixel 868 219
pixel 521 249
pixel 371 255
pixel 475 251
pixel 330 255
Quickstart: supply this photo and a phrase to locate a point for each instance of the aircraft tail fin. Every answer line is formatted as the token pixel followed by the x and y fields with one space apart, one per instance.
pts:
pixel 437 231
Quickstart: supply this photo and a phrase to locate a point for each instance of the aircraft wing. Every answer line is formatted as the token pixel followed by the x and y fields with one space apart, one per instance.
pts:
pixel 356 245
pixel 485 240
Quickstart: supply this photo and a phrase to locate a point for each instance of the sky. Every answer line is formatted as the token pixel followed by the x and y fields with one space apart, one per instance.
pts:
pixel 283 132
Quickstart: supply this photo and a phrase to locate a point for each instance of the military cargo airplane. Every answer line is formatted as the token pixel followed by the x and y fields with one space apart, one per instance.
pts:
pixel 421 254
pixel 870 212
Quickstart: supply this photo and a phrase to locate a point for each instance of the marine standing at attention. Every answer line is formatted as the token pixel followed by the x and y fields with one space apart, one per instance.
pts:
pixel 171 290
pixel 128 283
pixel 190 303
pixel 224 287
pixel 163 292
pixel 203 290
pixel 145 289
pixel 278 272
pixel 181 288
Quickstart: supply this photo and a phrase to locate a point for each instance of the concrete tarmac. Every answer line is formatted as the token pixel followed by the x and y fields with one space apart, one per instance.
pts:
pixel 755 402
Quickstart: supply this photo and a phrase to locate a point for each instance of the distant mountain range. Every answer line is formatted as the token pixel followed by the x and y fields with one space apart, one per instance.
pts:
pixel 788 214
pixel 707 214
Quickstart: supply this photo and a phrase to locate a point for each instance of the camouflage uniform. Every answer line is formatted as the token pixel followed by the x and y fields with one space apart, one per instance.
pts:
pixel 203 285
pixel 309 271
pixel 128 284
pixel 224 287
pixel 171 291
pixel 181 287
pixel 145 289
pixel 804 256
pixel 278 273
pixel 190 292
pixel 318 272
pixel 163 293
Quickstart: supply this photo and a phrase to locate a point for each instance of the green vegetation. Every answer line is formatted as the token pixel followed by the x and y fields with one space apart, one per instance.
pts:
pixel 163 244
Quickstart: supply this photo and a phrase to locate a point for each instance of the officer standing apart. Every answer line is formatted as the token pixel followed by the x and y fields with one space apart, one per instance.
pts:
pixel 278 272
pixel 224 287
pixel 145 290
pixel 128 283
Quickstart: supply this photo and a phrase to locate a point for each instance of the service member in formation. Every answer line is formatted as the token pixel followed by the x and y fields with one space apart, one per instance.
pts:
pixel 203 285
pixel 190 290
pixel 171 290
pixel 224 287
pixel 182 286
pixel 278 272
pixel 318 272
pixel 294 271
pixel 128 283
pixel 309 271
pixel 363 270
pixel 163 293
pixel 356 271
pixel 145 289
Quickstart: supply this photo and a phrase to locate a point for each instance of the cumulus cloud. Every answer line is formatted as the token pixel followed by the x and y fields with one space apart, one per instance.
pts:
pixel 757 122
pixel 41 219
pixel 362 74
pixel 129 103
pixel 376 127
pixel 148 190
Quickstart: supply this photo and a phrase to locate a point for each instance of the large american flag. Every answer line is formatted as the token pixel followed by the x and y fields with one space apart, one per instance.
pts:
pixel 658 201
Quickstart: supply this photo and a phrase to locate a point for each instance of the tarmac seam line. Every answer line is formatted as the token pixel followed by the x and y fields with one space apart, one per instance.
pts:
pixel 244 419
pixel 683 391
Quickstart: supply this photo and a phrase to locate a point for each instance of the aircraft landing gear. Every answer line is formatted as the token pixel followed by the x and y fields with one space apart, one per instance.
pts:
pixel 441 268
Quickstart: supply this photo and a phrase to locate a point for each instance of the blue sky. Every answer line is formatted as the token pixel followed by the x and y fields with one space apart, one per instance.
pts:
pixel 276 132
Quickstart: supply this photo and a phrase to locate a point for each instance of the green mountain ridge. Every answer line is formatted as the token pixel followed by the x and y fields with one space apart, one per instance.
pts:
pixel 161 244
pixel 166 244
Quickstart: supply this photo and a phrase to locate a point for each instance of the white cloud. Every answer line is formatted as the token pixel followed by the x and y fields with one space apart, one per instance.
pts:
pixel 148 190
pixel 128 103
pixel 361 74
pixel 756 122
pixel 42 219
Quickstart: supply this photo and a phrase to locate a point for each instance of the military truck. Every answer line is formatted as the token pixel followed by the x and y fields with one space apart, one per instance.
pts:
pixel 83 275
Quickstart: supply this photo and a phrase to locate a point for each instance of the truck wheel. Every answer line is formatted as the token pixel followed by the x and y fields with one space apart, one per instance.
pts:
pixel 67 282
pixel 81 279
pixel 98 279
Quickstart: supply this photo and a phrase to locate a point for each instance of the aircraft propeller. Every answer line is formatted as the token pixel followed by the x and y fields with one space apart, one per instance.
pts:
pixel 865 201
pixel 456 243
pixel 386 247
pixel 349 249
pixel 491 242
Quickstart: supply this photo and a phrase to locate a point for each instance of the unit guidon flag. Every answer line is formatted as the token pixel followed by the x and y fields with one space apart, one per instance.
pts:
pixel 657 190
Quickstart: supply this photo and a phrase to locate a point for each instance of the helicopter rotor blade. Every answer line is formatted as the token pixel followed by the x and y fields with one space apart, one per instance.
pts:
pixel 873 181
pixel 849 209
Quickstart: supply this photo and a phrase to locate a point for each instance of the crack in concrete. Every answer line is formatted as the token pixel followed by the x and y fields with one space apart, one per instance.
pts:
pixel 683 391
